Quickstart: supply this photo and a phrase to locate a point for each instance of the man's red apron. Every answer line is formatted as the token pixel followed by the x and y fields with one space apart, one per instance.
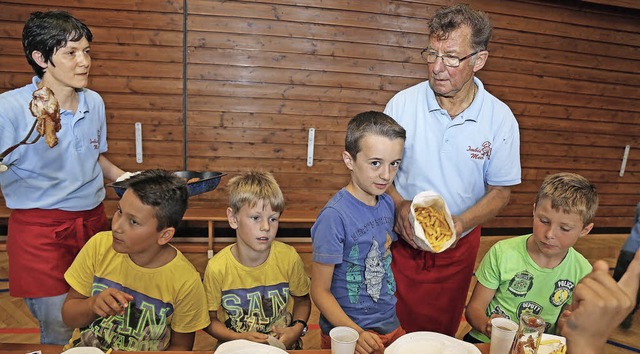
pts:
pixel 42 244
pixel 432 287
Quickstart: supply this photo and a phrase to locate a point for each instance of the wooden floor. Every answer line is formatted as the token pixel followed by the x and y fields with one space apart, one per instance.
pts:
pixel 18 326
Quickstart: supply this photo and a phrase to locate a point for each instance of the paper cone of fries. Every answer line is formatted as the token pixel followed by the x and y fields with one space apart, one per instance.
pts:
pixel 432 223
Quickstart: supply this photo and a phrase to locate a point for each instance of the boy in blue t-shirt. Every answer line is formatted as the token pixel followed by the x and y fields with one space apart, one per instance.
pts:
pixel 351 283
pixel 536 272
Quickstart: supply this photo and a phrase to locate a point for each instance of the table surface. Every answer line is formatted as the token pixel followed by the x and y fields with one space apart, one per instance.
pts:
pixel 15 348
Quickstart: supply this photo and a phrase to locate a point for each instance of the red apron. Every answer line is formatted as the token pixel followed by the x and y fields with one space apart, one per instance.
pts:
pixel 42 244
pixel 432 287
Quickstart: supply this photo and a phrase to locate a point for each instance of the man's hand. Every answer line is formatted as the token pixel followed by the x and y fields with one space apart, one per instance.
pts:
pixel 459 229
pixel 599 306
pixel 402 225
pixel 110 302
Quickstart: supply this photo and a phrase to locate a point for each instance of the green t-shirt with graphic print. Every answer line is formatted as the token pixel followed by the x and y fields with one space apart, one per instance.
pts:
pixel 523 285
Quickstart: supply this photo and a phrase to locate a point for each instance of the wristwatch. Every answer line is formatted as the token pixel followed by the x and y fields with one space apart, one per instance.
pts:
pixel 304 330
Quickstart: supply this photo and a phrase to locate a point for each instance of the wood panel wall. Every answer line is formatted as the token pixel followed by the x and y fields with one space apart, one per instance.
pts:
pixel 254 76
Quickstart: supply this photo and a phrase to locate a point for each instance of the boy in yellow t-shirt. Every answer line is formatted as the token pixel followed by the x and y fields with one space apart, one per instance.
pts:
pixel 130 289
pixel 253 281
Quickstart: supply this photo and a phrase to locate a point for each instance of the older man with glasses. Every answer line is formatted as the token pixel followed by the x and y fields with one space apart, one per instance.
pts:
pixel 463 143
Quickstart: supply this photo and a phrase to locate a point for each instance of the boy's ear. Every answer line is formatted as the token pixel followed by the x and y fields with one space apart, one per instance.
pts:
pixel 166 235
pixel 586 230
pixel 534 209
pixel 39 58
pixel 348 160
pixel 232 218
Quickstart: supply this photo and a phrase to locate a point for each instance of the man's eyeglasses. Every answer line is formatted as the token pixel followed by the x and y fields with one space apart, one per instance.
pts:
pixel 431 56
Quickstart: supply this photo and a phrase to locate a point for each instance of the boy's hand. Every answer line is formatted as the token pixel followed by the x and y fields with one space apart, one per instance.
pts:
pixel 489 326
pixel 369 343
pixel 255 337
pixel 287 335
pixel 110 302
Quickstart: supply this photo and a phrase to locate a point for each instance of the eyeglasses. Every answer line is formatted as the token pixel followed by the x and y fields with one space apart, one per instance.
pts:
pixel 431 56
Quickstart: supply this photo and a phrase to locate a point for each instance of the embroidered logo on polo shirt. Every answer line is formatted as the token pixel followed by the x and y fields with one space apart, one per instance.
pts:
pixel 521 283
pixel 479 153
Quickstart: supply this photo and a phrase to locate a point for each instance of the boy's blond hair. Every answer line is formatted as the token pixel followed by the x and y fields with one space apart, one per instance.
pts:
pixel 250 187
pixel 570 193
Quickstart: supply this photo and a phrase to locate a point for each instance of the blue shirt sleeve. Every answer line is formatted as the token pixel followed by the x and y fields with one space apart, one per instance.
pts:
pixel 328 237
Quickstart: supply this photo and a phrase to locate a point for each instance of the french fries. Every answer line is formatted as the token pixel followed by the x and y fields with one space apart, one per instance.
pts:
pixel 558 346
pixel 435 226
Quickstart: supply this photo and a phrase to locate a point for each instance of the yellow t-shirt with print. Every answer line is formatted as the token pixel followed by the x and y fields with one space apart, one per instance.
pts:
pixel 255 299
pixel 165 298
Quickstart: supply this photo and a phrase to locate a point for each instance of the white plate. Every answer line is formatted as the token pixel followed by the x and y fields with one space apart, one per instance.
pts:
pixel 548 348
pixel 242 346
pixel 83 350
pixel 430 343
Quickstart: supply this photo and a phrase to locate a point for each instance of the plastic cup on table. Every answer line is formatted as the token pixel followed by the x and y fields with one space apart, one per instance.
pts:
pixel 343 340
pixel 503 331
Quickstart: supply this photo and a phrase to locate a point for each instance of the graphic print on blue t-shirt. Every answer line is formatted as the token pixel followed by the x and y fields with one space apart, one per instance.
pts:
pixel 142 327
pixel 256 309
pixel 373 272
pixel 354 276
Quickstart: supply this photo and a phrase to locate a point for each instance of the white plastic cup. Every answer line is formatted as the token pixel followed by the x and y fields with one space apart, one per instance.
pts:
pixel 503 331
pixel 343 340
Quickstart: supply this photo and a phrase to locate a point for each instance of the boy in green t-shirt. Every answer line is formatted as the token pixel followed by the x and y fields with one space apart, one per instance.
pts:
pixel 536 272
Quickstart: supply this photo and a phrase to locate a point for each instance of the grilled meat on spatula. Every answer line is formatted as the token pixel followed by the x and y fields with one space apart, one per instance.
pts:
pixel 44 106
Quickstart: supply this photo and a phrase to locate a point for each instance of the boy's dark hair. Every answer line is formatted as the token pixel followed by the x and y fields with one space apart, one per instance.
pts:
pixel 49 31
pixel 570 193
pixel 250 187
pixel 164 191
pixel 371 123
pixel 449 19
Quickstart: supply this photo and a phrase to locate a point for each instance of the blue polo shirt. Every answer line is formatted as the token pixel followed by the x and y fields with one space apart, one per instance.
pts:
pixel 456 158
pixel 67 176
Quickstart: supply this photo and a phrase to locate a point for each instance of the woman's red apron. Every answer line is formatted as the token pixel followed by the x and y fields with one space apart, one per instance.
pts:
pixel 42 244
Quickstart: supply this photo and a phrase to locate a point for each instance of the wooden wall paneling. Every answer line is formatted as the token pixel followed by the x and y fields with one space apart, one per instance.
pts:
pixel 577 113
pixel 263 65
pixel 260 73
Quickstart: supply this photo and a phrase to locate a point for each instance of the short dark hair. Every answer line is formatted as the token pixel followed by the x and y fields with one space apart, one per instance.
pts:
pixel 164 191
pixel 371 122
pixel 449 19
pixel 49 31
